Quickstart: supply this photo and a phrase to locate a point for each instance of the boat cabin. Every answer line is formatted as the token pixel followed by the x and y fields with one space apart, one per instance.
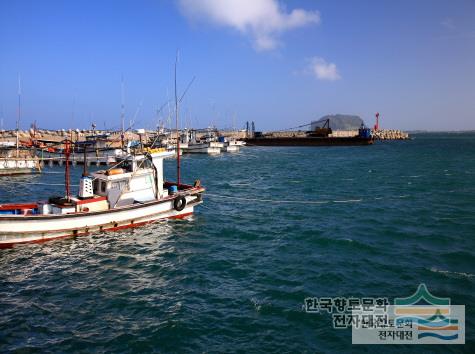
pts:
pixel 137 179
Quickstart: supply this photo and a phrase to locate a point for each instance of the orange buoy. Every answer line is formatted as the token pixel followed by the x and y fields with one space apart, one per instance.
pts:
pixel 115 171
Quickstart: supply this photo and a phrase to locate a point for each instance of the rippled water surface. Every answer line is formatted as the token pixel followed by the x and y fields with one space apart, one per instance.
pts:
pixel 278 225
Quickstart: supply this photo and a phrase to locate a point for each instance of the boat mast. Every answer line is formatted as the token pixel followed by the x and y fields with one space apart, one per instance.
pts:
pixel 1 118
pixel 84 168
pixel 122 112
pixel 177 101
pixel 67 151
pixel 177 130
pixel 18 117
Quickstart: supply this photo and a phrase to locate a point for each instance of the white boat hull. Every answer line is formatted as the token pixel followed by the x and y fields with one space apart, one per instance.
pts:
pixel 231 148
pixel 211 148
pixel 17 229
pixel 18 166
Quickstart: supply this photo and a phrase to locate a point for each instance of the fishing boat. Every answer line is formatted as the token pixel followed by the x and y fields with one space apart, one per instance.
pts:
pixel 14 159
pixel 208 144
pixel 230 145
pixel 131 194
pixel 17 161
pixel 211 148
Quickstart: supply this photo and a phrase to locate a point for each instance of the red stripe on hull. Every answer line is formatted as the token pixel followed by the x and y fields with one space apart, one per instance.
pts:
pixel 118 228
pixel 18 206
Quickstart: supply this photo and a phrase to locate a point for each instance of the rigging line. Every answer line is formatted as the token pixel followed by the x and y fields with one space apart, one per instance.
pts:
pixel 300 126
pixel 186 90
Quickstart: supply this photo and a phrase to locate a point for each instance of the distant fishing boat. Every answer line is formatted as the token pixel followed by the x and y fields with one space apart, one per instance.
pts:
pixel 17 161
pixel 131 194
pixel 13 159
pixel 208 144
pixel 230 144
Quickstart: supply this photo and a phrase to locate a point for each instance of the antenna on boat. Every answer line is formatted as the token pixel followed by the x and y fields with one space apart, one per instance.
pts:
pixel 73 112
pixel 177 101
pixel 84 169
pixel 137 111
pixel 169 118
pixel 177 131
pixel 1 118
pixel 67 151
pixel 159 110
pixel 18 117
pixel 122 111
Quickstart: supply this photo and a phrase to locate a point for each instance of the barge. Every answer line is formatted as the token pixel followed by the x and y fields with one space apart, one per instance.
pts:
pixel 318 137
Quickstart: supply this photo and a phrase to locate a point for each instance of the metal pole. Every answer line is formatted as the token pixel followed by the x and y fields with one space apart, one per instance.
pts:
pixel 19 116
pixel 84 168
pixel 177 130
pixel 66 169
pixel 122 113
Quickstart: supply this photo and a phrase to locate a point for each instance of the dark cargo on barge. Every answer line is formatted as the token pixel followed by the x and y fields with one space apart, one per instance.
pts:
pixel 309 141
pixel 317 137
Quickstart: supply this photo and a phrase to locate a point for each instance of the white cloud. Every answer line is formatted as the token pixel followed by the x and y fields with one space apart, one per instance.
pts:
pixel 448 23
pixel 322 70
pixel 262 20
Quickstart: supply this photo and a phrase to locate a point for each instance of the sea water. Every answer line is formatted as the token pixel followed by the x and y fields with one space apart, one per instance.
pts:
pixel 278 225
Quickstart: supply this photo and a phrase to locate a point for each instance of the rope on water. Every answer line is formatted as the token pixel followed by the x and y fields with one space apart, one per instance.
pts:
pixel 293 201
pixel 267 200
pixel 290 201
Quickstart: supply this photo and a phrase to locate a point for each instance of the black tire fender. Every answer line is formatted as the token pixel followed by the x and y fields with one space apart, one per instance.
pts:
pixel 179 203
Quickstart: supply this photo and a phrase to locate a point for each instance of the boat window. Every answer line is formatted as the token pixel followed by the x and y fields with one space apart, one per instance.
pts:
pixel 96 186
pixel 127 166
pixel 120 185
pixel 103 186
pixel 145 164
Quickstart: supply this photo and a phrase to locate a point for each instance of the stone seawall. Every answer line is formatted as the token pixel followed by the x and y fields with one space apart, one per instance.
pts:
pixel 60 135
pixel 390 134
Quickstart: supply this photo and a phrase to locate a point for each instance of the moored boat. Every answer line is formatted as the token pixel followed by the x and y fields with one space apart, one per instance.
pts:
pixel 211 148
pixel 17 161
pixel 229 145
pixel 208 144
pixel 131 194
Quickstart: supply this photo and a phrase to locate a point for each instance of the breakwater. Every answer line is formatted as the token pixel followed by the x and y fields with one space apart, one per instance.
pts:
pixel 79 135
pixel 60 135
pixel 390 134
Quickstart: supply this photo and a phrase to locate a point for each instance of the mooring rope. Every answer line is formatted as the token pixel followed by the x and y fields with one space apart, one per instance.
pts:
pixel 267 200
pixel 293 201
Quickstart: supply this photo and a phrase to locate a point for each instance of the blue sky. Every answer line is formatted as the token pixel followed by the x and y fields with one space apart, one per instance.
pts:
pixel 280 64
